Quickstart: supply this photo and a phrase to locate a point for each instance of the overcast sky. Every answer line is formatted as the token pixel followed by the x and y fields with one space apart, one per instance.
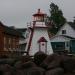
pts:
pixel 19 12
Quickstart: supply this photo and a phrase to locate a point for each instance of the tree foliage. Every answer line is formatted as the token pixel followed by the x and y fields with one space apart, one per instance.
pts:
pixel 56 18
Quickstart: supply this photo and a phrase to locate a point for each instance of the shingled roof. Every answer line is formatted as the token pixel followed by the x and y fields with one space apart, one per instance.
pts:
pixel 21 29
pixel 42 39
pixel 72 24
pixel 68 36
pixel 11 31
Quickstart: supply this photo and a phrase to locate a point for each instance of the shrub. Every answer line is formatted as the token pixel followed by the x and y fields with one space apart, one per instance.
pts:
pixel 25 58
pixel 51 61
pixel 69 65
pixel 39 57
pixel 36 71
pixel 55 71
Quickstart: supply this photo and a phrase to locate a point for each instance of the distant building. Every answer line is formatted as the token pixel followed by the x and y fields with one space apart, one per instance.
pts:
pixel 22 41
pixel 64 39
pixel 9 40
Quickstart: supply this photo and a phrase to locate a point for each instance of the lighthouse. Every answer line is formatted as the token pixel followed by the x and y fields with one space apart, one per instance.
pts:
pixel 37 36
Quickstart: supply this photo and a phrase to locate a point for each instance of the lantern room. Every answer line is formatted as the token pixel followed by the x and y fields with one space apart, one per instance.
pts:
pixel 39 16
pixel 38 38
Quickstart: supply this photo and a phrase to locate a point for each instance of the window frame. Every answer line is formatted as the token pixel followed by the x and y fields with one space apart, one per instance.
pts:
pixel 63 31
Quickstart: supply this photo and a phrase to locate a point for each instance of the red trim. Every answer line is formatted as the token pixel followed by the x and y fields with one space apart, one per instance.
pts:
pixel 39 13
pixel 40 27
pixel 42 39
pixel 31 36
pixel 39 46
pixel 44 45
pixel 46 48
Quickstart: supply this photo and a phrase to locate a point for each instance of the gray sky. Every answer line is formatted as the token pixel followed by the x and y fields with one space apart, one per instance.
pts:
pixel 19 12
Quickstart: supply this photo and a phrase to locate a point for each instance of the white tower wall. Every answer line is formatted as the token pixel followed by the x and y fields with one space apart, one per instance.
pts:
pixel 39 32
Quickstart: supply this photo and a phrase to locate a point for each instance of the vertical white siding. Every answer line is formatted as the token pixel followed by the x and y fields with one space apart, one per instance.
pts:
pixel 40 32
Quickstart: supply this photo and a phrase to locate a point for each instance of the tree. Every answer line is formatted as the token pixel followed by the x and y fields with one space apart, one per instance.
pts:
pixel 56 18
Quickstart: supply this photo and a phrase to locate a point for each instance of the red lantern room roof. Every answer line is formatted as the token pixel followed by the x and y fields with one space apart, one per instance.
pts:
pixel 39 13
pixel 42 39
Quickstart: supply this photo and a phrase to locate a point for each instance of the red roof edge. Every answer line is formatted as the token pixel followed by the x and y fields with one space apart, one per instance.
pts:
pixel 42 39
pixel 39 13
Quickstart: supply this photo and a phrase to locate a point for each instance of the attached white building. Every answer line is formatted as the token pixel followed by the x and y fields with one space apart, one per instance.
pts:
pixel 65 38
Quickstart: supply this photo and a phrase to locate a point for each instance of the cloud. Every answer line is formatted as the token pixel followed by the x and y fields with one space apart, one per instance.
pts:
pixel 19 12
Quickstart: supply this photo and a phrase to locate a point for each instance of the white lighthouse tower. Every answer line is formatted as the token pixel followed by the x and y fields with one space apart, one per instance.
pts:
pixel 38 39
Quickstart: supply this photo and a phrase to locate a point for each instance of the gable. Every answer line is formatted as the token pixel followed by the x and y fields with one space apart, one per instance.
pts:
pixel 42 39
pixel 69 30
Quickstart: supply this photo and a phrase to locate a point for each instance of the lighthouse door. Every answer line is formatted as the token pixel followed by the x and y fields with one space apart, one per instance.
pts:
pixel 43 47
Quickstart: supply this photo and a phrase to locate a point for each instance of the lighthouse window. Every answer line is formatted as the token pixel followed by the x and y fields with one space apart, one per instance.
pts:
pixel 40 19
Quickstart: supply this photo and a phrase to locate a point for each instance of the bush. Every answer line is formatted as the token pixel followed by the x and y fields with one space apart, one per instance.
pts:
pixel 69 65
pixel 26 65
pixel 56 71
pixel 39 57
pixel 51 61
pixel 25 58
pixel 36 71
pixel 3 56
pixel 1 73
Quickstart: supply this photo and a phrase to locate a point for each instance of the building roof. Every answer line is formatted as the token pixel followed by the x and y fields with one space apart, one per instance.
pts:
pixel 39 13
pixel 66 36
pixel 11 31
pixel 21 29
pixel 72 25
pixel 42 39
